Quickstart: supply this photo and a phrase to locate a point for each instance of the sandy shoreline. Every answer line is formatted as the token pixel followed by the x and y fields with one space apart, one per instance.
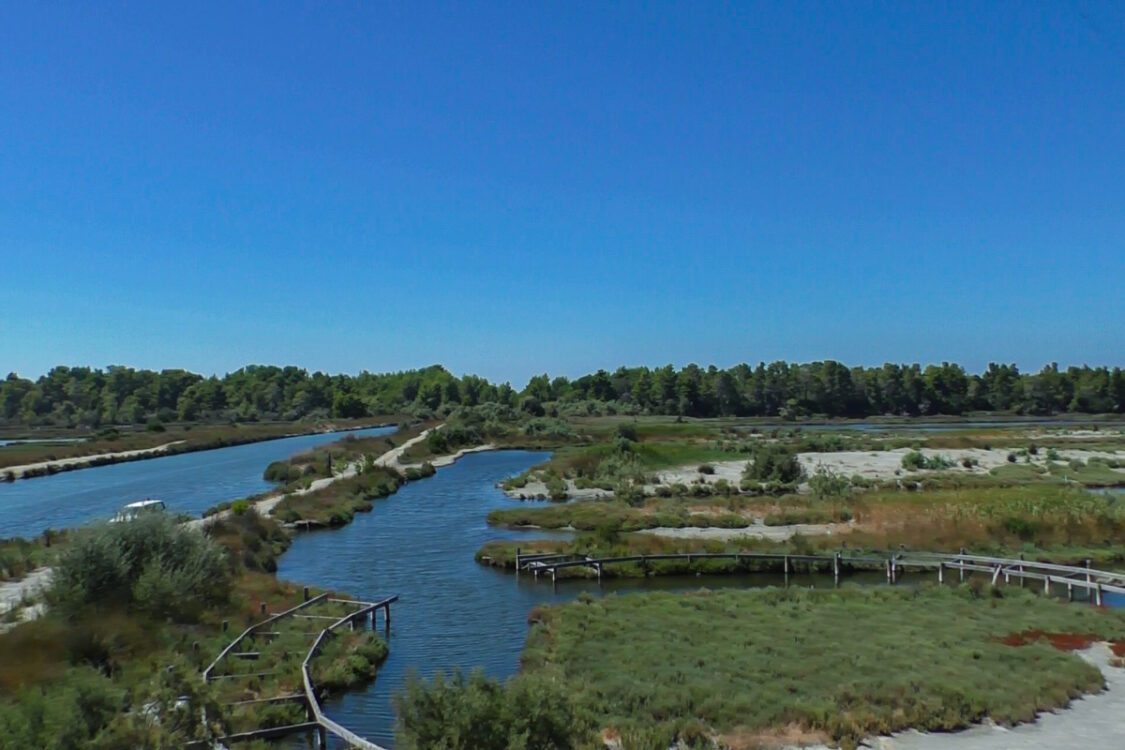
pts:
pixel 78 461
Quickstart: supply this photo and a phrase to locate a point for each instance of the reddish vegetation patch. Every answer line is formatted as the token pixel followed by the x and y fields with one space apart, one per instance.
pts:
pixel 1118 648
pixel 1061 641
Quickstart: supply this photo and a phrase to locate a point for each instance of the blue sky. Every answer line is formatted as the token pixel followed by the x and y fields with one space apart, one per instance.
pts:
pixel 525 187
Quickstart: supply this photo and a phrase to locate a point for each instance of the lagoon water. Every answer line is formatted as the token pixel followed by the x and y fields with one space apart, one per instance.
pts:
pixel 419 544
pixel 188 483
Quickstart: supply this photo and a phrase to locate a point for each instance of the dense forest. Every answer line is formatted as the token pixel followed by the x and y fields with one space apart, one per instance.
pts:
pixel 83 396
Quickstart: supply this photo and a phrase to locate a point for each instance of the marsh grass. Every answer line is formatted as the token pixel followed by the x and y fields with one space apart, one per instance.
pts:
pixel 337 504
pixel 846 663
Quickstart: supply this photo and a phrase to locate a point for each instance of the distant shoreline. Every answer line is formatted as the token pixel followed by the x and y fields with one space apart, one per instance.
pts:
pixel 179 447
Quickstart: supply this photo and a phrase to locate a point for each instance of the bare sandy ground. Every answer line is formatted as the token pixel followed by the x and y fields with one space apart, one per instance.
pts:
pixel 19 471
pixel 757 531
pixel 534 488
pixel 452 458
pixel 28 588
pixel 1095 722
pixel 879 464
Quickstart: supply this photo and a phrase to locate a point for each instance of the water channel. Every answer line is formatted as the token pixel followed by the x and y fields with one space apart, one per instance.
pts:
pixel 187 483
pixel 418 543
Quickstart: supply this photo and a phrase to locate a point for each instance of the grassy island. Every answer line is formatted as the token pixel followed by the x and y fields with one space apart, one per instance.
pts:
pixel 826 665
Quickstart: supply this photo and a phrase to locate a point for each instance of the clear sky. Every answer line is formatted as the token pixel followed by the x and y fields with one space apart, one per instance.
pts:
pixel 524 187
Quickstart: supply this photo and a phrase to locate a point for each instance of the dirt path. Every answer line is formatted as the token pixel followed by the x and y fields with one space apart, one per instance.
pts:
pixel 19 471
pixel 390 459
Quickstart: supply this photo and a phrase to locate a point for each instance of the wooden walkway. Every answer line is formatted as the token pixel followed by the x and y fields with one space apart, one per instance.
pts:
pixel 1095 583
pixel 360 613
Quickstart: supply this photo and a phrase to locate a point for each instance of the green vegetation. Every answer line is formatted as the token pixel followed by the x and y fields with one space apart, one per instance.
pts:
pixel 917 461
pixel 337 504
pixel 175 439
pixel 149 565
pixel 136 611
pixel 589 515
pixel 82 396
pixel 772 468
pixel 839 665
pixel 18 557
pixel 476 713
pixel 108 663
pixel 1055 523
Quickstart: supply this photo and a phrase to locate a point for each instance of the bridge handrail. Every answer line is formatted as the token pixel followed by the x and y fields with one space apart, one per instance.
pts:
pixel 1092 578
pixel 967 557
pixel 306 677
pixel 230 646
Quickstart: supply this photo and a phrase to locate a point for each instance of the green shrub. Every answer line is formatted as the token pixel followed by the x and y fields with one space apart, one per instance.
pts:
pixel 828 485
pixel 533 712
pixel 706 469
pixel 773 464
pixel 152 564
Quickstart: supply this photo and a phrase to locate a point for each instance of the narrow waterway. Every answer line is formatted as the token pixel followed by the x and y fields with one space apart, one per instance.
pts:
pixel 419 544
pixel 187 483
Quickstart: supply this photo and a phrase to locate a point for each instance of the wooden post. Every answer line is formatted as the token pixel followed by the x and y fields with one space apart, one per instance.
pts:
pixel 894 571
pixel 785 563
pixel 1047 584
pixel 890 576
pixel 1089 578
pixel 262 608
pixel 940 573
pixel 306 593
pixel 517 559
pixel 1098 595
pixel 226 625
pixel 1069 591
pixel 1021 571
pixel 598 567
pixel 836 568
pixel 961 572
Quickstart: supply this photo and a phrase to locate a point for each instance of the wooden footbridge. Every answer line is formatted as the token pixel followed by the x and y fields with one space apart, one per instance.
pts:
pixel 248 646
pixel 1094 583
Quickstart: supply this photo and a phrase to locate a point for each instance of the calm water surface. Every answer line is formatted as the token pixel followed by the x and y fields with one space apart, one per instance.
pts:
pixel 419 543
pixel 187 483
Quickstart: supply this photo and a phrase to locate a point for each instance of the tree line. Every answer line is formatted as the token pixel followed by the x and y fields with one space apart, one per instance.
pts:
pixel 92 397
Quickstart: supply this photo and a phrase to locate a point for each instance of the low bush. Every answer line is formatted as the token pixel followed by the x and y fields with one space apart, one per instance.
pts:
pixel 152 564
pixel 478 713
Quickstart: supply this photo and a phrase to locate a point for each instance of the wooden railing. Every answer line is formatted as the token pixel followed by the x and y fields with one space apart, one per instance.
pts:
pixel 318 722
pixel 306 673
pixel 1095 582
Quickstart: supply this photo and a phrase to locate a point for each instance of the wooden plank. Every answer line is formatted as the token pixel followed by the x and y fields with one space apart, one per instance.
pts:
pixel 292 697
pixel 271 733
pixel 230 647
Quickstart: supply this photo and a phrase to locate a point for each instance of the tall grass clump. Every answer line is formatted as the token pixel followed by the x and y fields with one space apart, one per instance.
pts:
pixel 838 665
pixel 474 712
pixel 152 565
pixel 772 468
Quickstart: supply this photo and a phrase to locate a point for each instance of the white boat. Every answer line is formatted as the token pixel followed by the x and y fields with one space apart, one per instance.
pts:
pixel 133 511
